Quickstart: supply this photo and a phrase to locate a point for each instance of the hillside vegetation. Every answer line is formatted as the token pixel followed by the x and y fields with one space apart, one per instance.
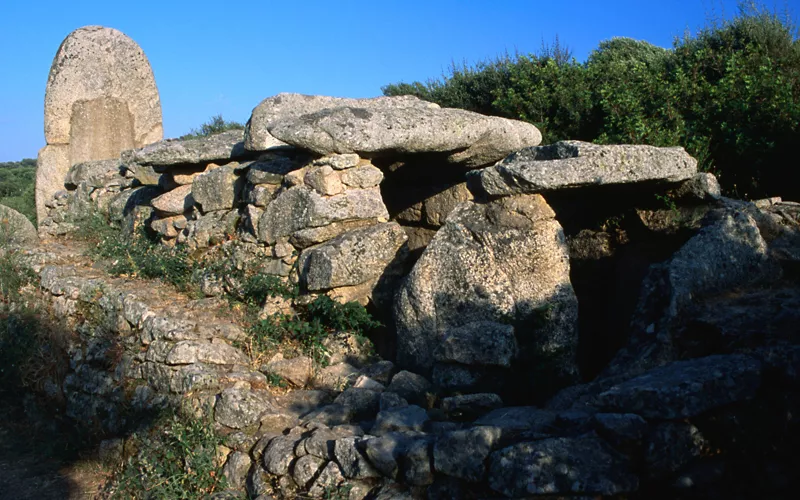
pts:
pixel 17 181
pixel 729 94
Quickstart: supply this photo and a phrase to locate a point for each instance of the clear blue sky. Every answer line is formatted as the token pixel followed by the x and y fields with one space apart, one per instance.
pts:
pixel 219 57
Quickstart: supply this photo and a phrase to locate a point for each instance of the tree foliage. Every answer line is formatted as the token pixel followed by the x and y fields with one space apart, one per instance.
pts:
pixel 215 125
pixel 730 94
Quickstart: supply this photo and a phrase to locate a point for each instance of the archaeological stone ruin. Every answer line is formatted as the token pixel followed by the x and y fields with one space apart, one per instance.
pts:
pixel 552 327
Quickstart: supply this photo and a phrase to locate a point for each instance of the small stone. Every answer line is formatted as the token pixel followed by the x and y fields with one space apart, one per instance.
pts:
pixel 363 177
pixel 321 442
pixel 364 402
pixel 381 371
pixel 175 202
pixel 405 418
pixel 305 469
pixel 324 180
pixel 463 453
pixel 328 480
pixel 391 400
pixel 235 470
pixel 241 408
pixel 364 382
pixel 411 387
pixel 333 414
pixel 353 462
pixel 279 454
pixel 339 162
pixel 296 371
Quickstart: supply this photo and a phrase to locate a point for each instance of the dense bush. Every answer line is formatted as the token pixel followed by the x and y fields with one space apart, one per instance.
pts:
pixel 729 94
pixel 17 183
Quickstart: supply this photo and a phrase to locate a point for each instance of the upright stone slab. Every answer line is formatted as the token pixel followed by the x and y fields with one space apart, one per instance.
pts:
pixel 101 99
pixel 493 272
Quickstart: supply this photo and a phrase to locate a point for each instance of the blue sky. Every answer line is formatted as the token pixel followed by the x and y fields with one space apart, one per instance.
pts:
pixel 225 57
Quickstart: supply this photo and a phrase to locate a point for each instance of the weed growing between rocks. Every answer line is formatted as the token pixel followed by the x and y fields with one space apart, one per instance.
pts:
pixel 309 326
pixel 175 459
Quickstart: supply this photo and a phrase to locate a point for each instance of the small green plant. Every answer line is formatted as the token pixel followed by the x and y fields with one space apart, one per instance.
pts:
pixel 309 327
pixel 668 202
pixel 176 458
pixel 275 380
pixel 215 125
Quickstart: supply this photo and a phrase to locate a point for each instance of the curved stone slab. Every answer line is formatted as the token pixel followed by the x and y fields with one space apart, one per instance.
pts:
pixel 470 139
pixel 288 105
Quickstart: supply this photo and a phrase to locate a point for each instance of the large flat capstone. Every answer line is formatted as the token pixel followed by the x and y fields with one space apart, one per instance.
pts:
pixel 572 164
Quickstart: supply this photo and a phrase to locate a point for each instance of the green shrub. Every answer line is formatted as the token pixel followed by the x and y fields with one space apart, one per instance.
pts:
pixel 215 125
pixel 729 94
pixel 309 327
pixel 17 187
pixel 175 458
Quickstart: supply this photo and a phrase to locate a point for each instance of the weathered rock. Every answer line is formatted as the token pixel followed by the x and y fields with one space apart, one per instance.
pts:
pixel 328 480
pixel 362 177
pixel 671 446
pixel 321 443
pixel 404 418
pixel 520 420
pixel 175 202
pixel 571 164
pixel 94 62
pixel 101 98
pixel 333 414
pixel 382 371
pixel 235 469
pixel 390 400
pixel 324 180
pixel 302 402
pixel 364 402
pixel 349 456
pixel 295 370
pixel 340 162
pixel 215 228
pixel 218 189
pixel 217 353
pixel 313 235
pixel 435 209
pixel 478 343
pixel 239 408
pixel 470 406
pixel 370 130
pixel 305 469
pixel 686 388
pixel 96 174
pixel 336 377
pixel 463 453
pixel 351 258
pixel 277 422
pixel 300 207
pixel 16 229
pixel 279 454
pixel 364 382
pixel 560 466
pixel 494 262
pixel 411 387
pixel 225 146
pixel 384 451
pixel 702 187
pixel 286 105
pixel 621 430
